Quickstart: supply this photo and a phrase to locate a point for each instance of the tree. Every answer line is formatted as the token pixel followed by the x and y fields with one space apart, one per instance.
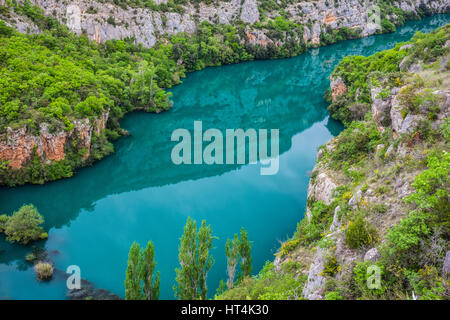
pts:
pixel 195 261
pixel 151 288
pixel 24 225
pixel 245 249
pixel 139 282
pixel 133 274
pixel 232 248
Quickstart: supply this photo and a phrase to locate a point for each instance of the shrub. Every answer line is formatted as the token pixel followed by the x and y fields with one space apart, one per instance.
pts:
pixel 44 270
pixel 355 143
pixel 432 187
pixel 387 26
pixel 333 295
pixel 321 217
pixel 427 284
pixel 360 277
pixel 24 225
pixel 269 284
pixel 331 266
pixel 360 233
pixel 404 239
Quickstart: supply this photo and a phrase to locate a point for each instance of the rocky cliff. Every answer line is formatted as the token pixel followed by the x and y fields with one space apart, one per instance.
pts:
pixel 104 20
pixel 383 191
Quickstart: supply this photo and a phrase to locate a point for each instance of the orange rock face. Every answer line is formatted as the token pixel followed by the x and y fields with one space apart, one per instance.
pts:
pixel 17 146
pixel 338 88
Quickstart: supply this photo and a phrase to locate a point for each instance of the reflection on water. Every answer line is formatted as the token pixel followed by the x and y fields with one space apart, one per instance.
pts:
pixel 139 194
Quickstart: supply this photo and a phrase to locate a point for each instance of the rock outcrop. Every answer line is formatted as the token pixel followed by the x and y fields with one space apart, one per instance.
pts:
pixel 322 188
pixel 89 292
pixel 17 147
pixel 314 285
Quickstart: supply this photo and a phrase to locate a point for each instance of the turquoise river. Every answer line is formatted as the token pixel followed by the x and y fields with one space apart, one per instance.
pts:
pixel 138 194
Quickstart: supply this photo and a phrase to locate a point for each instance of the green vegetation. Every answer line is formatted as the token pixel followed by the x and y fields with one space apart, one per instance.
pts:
pixel 141 283
pixel 56 77
pixel 235 249
pixel 245 249
pixel 309 232
pixel 232 253
pixel 195 261
pixel 355 143
pixel 23 226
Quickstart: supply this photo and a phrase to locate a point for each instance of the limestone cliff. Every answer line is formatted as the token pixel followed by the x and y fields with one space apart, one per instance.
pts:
pixel 17 146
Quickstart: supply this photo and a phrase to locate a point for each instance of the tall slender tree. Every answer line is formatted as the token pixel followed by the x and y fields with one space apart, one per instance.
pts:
pixel 245 249
pixel 195 261
pixel 232 248
pixel 151 287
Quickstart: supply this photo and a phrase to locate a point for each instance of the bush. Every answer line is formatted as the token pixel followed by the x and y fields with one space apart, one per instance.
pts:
pixel 321 218
pixel 3 220
pixel 269 284
pixel 44 270
pixel 331 266
pixel 432 187
pixel 355 143
pixel 24 225
pixel 360 233
pixel 333 295
pixel 360 277
pixel 387 26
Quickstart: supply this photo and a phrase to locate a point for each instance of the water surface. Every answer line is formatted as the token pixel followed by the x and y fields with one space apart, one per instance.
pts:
pixel 137 194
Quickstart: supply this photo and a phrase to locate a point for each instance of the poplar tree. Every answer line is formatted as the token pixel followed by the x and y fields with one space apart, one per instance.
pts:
pixel 232 248
pixel 245 249
pixel 195 261
pixel 151 287
pixel 140 283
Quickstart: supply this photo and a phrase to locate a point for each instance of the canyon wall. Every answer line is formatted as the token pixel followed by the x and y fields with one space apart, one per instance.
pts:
pixel 105 21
